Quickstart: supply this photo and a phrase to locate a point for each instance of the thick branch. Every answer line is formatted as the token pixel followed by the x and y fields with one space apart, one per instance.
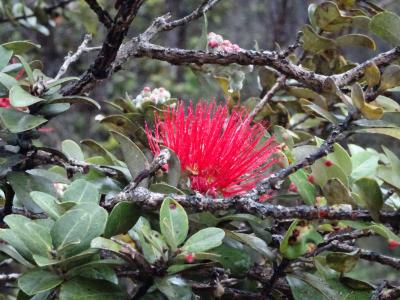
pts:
pixel 150 200
pixel 137 48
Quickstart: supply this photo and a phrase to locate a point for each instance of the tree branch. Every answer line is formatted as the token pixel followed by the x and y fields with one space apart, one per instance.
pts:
pixel 101 67
pixel 366 254
pixel 268 96
pixel 102 14
pixel 137 48
pixel 73 57
pixel 150 200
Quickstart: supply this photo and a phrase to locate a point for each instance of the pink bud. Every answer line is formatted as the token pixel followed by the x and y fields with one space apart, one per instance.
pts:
pixel 212 44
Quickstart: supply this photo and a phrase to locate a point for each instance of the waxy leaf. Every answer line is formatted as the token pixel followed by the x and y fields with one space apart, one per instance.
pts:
pixel 204 240
pixel 386 25
pixel 21 98
pixel 17 121
pixel 36 281
pixel 174 223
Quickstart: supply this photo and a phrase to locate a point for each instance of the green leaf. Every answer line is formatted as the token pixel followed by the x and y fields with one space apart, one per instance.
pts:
pixel 48 204
pixel 37 281
pixel 17 121
pixel 204 240
pixel 77 100
pixel 355 40
pixel 110 262
pixel 340 157
pixel 72 150
pixel 390 78
pixel 179 268
pixel 23 184
pixel 123 216
pixel 310 107
pixel 82 288
pixel 20 47
pixel 386 25
pixel 336 193
pixel 294 249
pixel 21 98
pixel 393 132
pixel 81 191
pixel 315 43
pixel 5 56
pixel 369 111
pixel 174 223
pixel 133 156
pixel 61 81
pixel 15 252
pixel 253 242
pixel 364 163
pixel 236 260
pixel 106 244
pixel 35 236
pixel 342 262
pixel 27 68
pixel 71 229
pixel 304 187
pixel 327 17
pixel 371 194
pixel 323 173
pixel 7 80
pixel 372 75
pixel 95 146
pixel 301 290
pixel 174 287
pixel 151 242
pixel 164 188
pixel 308 286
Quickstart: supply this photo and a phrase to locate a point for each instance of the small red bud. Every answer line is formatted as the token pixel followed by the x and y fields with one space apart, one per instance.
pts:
pixel 322 214
pixel 311 179
pixel 293 187
pixel 5 102
pixel 190 257
pixel 328 163
pixel 393 244
pixel 212 44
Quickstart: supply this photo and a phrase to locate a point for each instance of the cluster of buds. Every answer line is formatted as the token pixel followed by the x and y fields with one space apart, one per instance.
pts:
pixel 156 96
pixel 218 44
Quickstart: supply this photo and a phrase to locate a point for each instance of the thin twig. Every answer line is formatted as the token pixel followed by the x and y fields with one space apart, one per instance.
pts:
pixel 366 254
pixel 280 82
pixel 73 57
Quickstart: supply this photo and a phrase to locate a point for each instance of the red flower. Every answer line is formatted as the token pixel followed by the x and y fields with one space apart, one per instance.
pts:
pixel 220 153
pixel 328 163
pixel 5 102
pixel 393 244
